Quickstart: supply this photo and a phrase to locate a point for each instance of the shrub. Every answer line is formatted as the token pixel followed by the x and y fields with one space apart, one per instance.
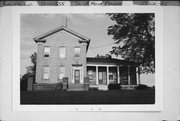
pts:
pixel 153 87
pixel 93 89
pixel 114 86
pixel 23 84
pixel 58 86
pixel 142 87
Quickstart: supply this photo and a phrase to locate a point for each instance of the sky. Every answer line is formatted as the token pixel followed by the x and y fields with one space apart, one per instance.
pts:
pixel 93 26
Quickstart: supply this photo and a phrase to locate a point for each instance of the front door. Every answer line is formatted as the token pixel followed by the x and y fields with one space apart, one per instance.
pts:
pixel 77 76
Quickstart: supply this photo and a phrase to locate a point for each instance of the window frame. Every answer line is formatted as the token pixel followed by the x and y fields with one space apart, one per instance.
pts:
pixel 64 74
pixel 90 74
pixel 46 53
pixel 46 73
pixel 61 57
pixel 79 52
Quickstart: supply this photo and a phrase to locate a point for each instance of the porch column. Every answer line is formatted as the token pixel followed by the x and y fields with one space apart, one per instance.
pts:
pixel 137 75
pixel 118 81
pixel 107 70
pixel 129 75
pixel 97 75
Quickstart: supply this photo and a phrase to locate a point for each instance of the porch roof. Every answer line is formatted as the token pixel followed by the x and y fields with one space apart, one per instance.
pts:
pixel 112 61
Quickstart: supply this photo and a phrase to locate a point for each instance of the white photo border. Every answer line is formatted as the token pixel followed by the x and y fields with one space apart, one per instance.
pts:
pixel 16 106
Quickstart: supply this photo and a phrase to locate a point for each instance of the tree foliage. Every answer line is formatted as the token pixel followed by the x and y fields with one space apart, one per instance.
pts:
pixel 134 36
pixel 32 69
pixel 31 72
pixel 103 56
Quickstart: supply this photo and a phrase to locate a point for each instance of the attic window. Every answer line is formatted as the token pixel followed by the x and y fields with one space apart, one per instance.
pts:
pixel 46 52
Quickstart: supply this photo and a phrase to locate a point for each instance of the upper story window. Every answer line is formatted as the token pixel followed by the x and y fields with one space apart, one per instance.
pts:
pixel 77 51
pixel 47 52
pixel 61 72
pixel 62 52
pixel 46 72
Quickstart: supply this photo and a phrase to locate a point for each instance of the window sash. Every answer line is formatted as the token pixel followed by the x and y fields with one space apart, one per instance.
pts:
pixel 90 73
pixel 46 51
pixel 110 76
pixel 61 76
pixel 46 76
pixel 46 69
pixel 46 73
pixel 62 52
pixel 77 51
pixel 100 75
pixel 61 72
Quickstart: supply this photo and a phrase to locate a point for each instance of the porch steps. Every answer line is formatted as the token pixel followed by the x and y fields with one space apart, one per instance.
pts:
pixel 76 87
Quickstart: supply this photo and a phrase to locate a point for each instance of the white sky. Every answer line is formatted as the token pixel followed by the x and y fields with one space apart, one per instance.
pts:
pixel 93 26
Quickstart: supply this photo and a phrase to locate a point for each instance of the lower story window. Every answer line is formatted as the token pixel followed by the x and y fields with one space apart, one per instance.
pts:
pixel 61 72
pixel 110 76
pixel 46 72
pixel 102 76
pixel 124 75
pixel 90 73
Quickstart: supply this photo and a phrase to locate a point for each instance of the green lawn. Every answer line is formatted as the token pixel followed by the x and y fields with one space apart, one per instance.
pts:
pixel 89 97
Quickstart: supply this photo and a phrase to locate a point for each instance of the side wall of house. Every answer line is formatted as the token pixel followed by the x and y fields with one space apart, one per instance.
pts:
pixel 39 69
pixel 54 62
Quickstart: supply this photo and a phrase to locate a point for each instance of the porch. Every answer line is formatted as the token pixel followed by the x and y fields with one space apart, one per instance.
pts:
pixel 100 76
pixel 105 71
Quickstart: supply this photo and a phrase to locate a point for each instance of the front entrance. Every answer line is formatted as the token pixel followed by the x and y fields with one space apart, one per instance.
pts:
pixel 76 76
pixel 102 76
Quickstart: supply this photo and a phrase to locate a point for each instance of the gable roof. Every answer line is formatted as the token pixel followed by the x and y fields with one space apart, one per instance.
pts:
pixel 114 61
pixel 40 37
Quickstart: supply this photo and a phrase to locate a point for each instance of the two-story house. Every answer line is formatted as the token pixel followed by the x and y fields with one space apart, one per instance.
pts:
pixel 61 52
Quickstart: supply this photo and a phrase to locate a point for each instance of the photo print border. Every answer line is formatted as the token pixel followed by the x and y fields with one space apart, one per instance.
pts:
pixel 17 11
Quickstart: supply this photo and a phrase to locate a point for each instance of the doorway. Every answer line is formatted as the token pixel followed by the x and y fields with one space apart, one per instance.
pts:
pixel 76 76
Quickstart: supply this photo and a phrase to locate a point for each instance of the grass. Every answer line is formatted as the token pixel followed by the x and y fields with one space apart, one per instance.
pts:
pixel 89 97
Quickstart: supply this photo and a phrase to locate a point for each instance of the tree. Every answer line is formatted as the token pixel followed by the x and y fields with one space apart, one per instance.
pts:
pixel 31 72
pixel 24 81
pixel 103 56
pixel 32 69
pixel 134 36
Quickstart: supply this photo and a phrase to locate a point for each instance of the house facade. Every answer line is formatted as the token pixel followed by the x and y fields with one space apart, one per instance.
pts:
pixel 61 52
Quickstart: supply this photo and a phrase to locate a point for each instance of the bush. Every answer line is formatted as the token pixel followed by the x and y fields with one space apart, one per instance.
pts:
pixel 93 89
pixel 114 86
pixel 58 86
pixel 23 84
pixel 142 87
pixel 24 81
pixel 153 87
